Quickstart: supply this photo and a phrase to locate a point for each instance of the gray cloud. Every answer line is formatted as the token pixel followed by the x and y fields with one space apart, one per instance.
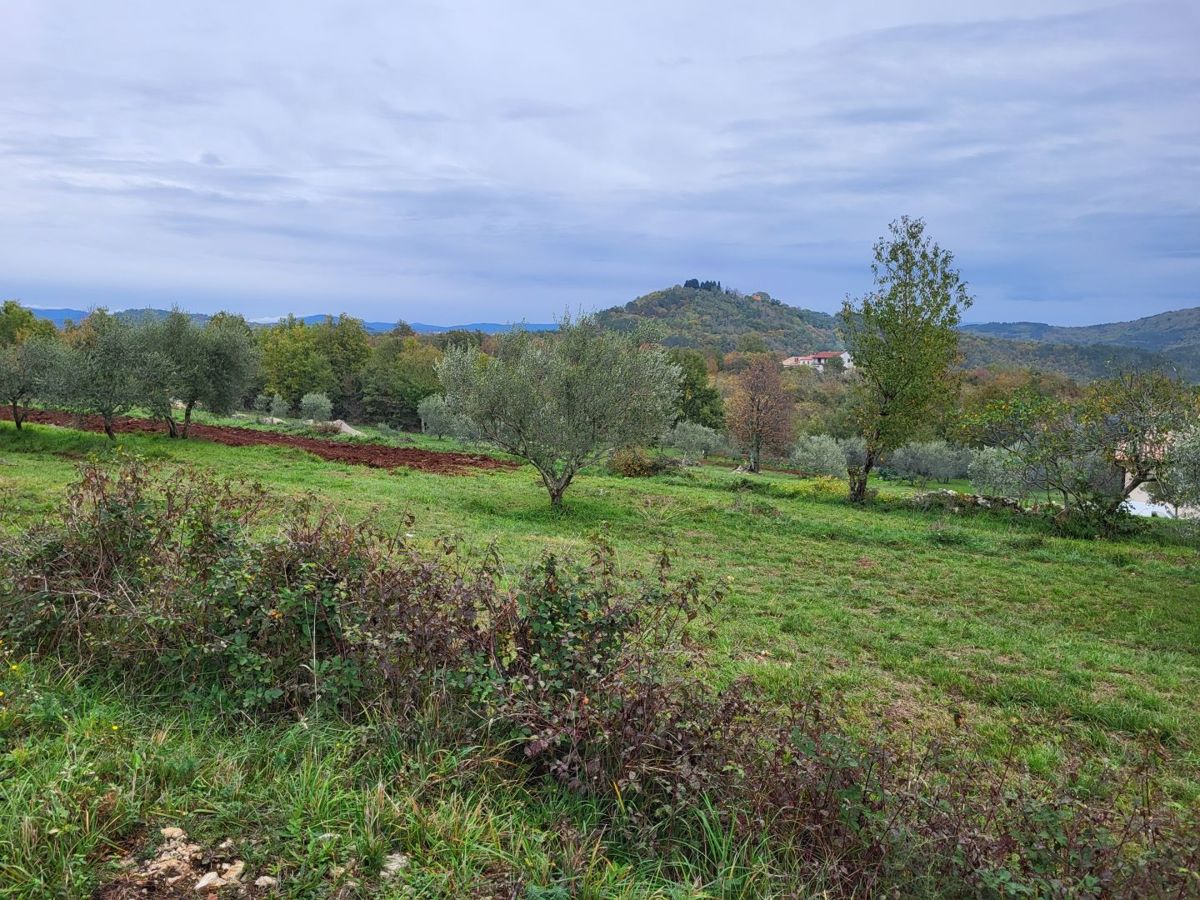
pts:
pixel 453 162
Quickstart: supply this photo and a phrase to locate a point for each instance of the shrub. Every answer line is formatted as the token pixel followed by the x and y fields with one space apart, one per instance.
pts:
pixel 173 577
pixel 634 462
pixel 315 406
pixel 280 408
pixel 819 454
pixel 262 403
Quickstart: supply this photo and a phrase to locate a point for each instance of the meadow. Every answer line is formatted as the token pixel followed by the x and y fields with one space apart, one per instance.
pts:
pixel 1056 653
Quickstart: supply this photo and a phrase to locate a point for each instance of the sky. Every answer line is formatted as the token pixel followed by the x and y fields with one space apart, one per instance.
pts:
pixel 480 160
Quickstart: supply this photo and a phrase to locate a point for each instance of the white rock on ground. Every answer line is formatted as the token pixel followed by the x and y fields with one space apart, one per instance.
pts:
pixel 209 881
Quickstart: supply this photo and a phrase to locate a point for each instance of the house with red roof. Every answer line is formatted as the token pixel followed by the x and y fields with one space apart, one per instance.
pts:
pixel 818 361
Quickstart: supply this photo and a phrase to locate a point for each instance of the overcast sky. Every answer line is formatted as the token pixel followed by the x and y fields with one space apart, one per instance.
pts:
pixel 465 161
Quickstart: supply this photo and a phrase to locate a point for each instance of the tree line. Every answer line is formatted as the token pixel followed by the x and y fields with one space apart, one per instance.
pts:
pixel 562 400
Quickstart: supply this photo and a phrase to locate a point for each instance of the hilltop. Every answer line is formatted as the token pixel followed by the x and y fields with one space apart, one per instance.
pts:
pixel 714 318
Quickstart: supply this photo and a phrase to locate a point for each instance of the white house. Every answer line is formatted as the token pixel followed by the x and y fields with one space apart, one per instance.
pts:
pixel 818 360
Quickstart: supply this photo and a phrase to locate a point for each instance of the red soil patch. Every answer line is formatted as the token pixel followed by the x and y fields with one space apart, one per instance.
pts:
pixel 377 456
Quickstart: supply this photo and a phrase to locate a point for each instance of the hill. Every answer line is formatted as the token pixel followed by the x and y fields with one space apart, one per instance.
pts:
pixel 1083 362
pixel 1175 334
pixel 713 318
pixel 720 319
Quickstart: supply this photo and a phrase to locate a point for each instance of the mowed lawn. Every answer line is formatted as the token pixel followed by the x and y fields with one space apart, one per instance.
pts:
pixel 929 620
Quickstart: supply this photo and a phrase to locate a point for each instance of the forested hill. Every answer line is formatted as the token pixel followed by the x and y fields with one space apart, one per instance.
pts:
pixel 714 318
pixel 1083 362
pixel 709 317
pixel 1176 334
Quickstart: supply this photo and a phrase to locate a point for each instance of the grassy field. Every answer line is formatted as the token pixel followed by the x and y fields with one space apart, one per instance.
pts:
pixel 1048 647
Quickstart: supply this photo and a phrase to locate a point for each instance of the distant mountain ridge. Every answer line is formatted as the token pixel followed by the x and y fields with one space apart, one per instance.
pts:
pixel 1174 334
pixel 61 316
pixel 721 320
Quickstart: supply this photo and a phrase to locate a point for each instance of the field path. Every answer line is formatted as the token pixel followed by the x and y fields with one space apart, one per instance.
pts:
pixel 377 456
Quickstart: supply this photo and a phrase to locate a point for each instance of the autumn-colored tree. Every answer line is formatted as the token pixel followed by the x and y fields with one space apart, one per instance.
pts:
pixel 760 412
pixel 18 324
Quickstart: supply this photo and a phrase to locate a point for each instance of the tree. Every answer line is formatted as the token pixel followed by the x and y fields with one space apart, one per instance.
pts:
pixel 211 365
pixel 920 462
pixel 1131 418
pixel 438 420
pixel 18 324
pixel 562 400
pixel 693 440
pixel 1094 451
pixel 398 376
pixel 99 371
pixel 760 412
pixel 997 472
pixel 902 337
pixel 26 372
pixel 292 361
pixel 699 401
pixel 280 408
pixel 1178 482
pixel 344 343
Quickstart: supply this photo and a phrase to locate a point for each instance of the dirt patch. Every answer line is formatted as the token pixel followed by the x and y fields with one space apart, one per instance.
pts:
pixel 377 456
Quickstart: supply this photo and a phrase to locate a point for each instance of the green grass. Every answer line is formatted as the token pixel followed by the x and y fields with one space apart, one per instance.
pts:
pixel 1057 646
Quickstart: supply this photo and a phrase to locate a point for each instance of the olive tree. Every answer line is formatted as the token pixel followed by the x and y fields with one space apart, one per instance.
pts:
pixel 100 371
pixel 693 440
pixel 903 340
pixel 998 472
pixel 26 373
pixel 184 364
pixel 1178 482
pixel 920 462
pixel 562 400
pixel 316 406
pixel 819 454
pixel 1092 453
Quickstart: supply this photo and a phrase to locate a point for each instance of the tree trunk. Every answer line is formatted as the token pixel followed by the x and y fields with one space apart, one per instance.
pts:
pixel 18 419
pixel 108 427
pixel 755 459
pixel 859 478
pixel 187 418
pixel 172 431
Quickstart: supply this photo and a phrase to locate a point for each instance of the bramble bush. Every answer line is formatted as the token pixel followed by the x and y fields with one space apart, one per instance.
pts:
pixel 170 577
pixel 634 462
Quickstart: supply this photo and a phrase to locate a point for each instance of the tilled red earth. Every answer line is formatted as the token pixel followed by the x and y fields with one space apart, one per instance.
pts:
pixel 378 456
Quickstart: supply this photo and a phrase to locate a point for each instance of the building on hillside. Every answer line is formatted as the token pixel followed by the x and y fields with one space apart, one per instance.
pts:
pixel 820 360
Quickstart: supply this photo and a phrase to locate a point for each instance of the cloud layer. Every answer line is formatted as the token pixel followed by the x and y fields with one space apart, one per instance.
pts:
pixel 463 161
